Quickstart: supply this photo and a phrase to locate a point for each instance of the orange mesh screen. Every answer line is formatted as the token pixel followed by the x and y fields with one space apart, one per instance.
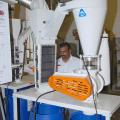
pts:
pixel 79 88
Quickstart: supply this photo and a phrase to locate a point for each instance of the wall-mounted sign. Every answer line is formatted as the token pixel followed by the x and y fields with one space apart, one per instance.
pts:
pixel 5 50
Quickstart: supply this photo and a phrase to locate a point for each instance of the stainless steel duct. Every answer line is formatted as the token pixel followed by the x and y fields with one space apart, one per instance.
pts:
pixel 10 1
pixel 26 3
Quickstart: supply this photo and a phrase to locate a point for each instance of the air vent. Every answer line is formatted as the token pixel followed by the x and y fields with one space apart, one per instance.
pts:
pixel 47 62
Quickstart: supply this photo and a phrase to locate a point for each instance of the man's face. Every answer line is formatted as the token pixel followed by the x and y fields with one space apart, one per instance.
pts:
pixel 65 53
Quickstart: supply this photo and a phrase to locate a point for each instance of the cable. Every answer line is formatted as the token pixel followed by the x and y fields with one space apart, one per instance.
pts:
pixel 89 75
pixel 101 76
pixel 34 107
pixel 38 99
pixel 6 101
pixel 2 105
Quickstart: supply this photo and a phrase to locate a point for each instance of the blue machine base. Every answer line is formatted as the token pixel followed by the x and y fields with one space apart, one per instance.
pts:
pixel 81 116
pixel 22 104
pixel 43 111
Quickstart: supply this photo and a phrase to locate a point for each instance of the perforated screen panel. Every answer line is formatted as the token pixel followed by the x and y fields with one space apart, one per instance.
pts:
pixel 48 62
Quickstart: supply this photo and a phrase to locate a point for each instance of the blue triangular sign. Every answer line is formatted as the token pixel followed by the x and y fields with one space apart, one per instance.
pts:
pixel 82 13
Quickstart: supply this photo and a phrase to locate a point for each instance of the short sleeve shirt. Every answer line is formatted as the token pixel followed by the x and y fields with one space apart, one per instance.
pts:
pixel 67 67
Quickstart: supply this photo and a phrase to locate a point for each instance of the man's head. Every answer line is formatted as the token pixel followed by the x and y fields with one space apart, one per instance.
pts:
pixel 65 51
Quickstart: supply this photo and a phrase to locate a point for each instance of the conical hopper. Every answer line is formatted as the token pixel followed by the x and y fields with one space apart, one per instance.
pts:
pixel 89 18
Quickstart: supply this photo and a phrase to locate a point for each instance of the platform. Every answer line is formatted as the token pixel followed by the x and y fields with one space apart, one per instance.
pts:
pixel 106 105
pixel 26 82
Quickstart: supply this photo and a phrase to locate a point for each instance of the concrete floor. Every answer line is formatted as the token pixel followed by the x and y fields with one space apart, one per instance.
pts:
pixel 116 115
pixel 110 90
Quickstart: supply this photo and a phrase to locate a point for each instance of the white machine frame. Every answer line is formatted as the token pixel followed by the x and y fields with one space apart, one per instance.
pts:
pixel 45 19
pixel 41 86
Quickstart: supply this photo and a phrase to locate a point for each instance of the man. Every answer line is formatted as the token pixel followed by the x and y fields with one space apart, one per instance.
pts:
pixel 67 62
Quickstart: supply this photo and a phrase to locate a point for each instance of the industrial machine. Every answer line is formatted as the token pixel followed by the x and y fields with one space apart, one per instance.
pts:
pixel 85 83
pixel 82 84
pixel 15 49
